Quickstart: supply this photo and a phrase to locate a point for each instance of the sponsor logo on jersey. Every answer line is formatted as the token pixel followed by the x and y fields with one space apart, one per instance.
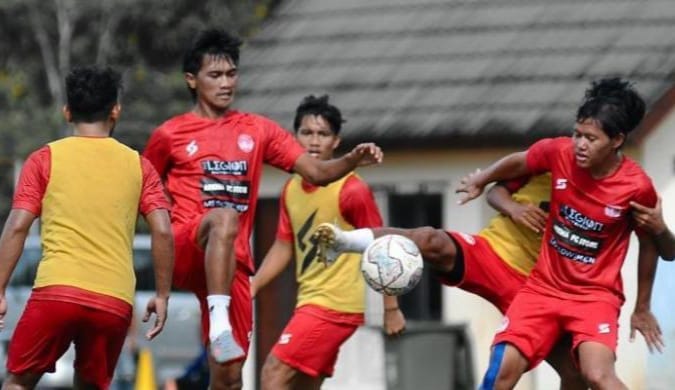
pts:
pixel 285 338
pixel 218 167
pixel 575 239
pixel 560 184
pixel 220 203
pixel 468 238
pixel 245 143
pixel 613 211
pixel 579 220
pixel 192 148
pixel 570 254
pixel 604 328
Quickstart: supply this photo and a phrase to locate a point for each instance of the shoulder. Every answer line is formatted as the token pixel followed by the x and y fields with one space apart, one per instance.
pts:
pixel 634 173
pixel 257 121
pixel 353 184
pixel 173 124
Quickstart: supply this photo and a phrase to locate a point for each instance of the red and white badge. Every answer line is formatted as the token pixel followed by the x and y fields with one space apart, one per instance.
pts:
pixel 245 143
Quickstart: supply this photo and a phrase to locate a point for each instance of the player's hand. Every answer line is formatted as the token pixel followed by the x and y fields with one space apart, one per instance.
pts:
pixel 3 310
pixel 159 306
pixel 649 219
pixel 529 216
pixel 470 186
pixel 394 322
pixel 365 154
pixel 644 322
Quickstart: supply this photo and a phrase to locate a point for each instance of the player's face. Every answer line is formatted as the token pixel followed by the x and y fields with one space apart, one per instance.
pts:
pixel 215 83
pixel 316 136
pixel 593 148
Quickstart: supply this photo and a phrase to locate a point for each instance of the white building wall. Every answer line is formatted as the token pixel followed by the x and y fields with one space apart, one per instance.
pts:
pixel 446 169
pixel 658 158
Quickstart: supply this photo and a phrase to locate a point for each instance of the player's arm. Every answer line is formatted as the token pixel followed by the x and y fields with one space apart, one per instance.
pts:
pixel 276 260
pixel 509 167
pixel 642 318
pixel 12 240
pixel 322 172
pixel 154 206
pixel 529 215
pixel 162 250
pixel 26 206
pixel 651 220
pixel 537 159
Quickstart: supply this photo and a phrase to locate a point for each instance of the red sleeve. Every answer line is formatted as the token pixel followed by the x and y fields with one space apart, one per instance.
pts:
pixel 357 204
pixel 153 196
pixel 33 181
pixel 284 228
pixel 281 149
pixel 541 155
pixel 158 151
pixel 514 185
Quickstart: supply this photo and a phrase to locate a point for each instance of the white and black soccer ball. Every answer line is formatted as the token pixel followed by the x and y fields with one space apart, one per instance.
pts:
pixel 392 264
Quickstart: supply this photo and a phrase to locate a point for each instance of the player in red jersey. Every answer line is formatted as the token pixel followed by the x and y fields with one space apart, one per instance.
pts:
pixel 331 300
pixel 576 285
pixel 87 190
pixel 211 160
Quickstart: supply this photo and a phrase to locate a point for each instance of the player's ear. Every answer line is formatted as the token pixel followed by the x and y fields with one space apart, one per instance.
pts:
pixel 336 142
pixel 191 80
pixel 116 111
pixel 67 114
pixel 618 140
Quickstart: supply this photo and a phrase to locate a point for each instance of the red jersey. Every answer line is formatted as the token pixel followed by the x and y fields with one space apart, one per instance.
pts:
pixel 589 224
pixel 209 163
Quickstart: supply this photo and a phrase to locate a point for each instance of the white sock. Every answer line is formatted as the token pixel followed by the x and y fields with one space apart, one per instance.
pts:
pixel 219 318
pixel 356 240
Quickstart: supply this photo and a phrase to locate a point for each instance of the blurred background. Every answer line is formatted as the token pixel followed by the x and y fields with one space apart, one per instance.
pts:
pixel 444 86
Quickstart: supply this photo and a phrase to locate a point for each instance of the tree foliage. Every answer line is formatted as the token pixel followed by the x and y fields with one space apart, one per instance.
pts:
pixel 144 39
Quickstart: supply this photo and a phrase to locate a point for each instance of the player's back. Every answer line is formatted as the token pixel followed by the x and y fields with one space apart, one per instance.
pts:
pixel 518 245
pixel 89 213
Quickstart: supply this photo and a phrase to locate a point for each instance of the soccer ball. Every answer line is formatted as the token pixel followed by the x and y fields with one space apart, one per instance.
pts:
pixel 392 265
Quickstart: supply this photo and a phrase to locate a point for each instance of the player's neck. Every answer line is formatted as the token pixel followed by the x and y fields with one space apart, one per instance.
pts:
pixel 206 111
pixel 608 167
pixel 97 129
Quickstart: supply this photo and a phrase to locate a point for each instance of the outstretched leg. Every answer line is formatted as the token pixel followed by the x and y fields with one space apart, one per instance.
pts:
pixel 435 245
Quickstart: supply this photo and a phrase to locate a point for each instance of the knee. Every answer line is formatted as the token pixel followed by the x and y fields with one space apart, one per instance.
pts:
pixel 597 378
pixel 224 224
pixel 228 383
pixel 434 244
pixel 270 375
pixel 571 379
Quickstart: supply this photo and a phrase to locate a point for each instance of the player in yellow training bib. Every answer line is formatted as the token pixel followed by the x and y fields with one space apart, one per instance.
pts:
pixel 330 301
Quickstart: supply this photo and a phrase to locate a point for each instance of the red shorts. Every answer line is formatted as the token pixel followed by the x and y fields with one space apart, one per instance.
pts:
pixel 535 322
pixel 485 273
pixel 189 274
pixel 310 342
pixel 46 329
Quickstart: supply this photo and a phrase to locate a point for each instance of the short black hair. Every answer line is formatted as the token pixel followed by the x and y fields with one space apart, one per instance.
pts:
pixel 91 93
pixel 215 42
pixel 614 104
pixel 312 105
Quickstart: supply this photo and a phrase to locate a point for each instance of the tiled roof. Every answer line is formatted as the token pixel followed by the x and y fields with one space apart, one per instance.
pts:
pixel 462 72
